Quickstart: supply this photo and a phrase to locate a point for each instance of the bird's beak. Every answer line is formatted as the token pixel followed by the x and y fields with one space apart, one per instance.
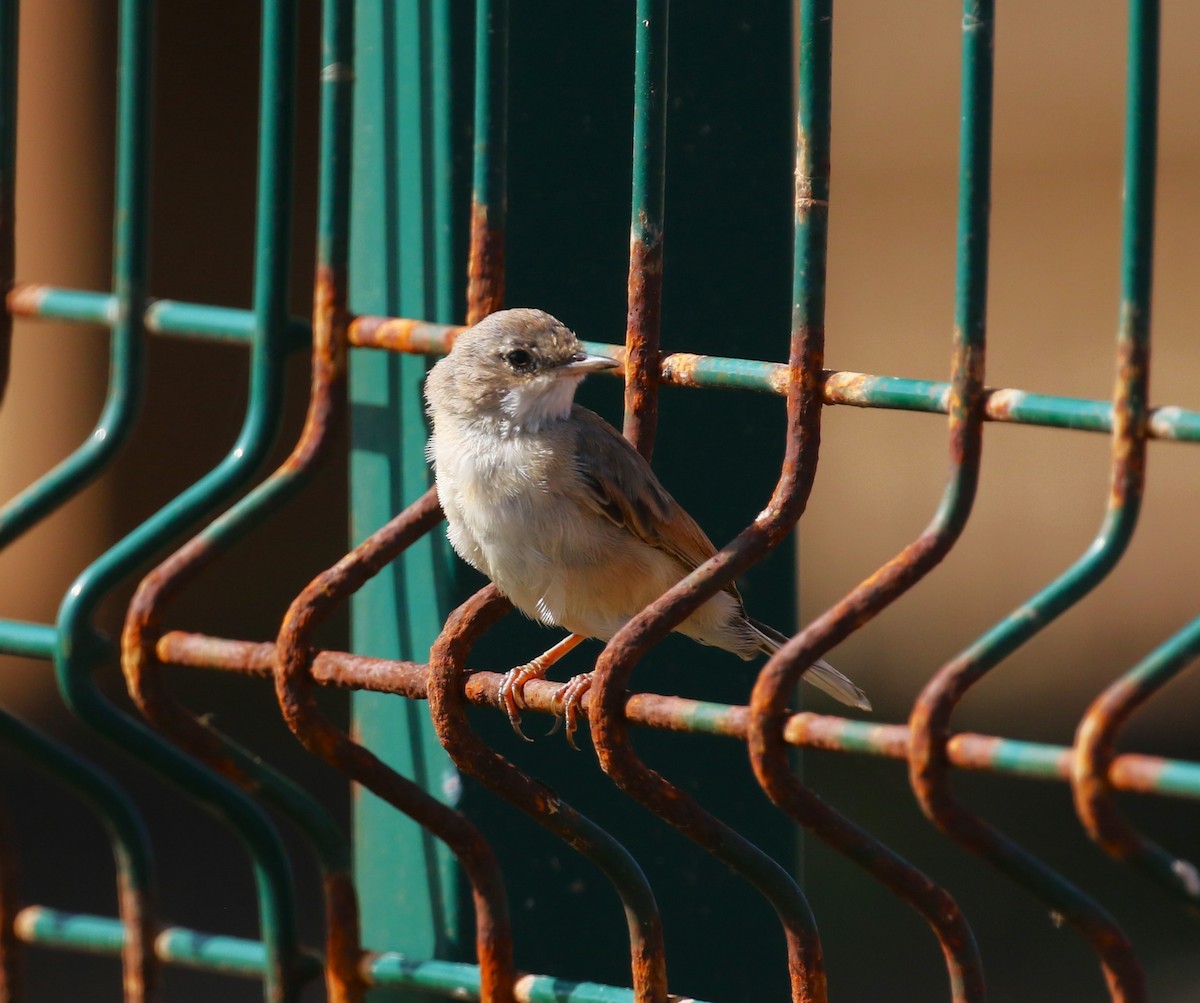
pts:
pixel 584 363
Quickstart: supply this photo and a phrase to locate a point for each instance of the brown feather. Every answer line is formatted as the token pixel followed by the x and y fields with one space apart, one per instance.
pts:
pixel 623 488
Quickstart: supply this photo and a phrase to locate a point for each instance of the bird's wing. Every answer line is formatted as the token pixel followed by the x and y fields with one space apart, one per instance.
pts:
pixel 622 487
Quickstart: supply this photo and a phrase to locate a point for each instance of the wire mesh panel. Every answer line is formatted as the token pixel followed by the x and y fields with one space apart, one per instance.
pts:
pixel 683 864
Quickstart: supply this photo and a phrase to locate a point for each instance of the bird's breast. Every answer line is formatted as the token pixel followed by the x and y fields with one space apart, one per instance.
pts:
pixel 499 499
pixel 515 511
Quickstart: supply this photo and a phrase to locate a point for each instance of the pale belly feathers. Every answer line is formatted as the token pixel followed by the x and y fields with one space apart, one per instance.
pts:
pixel 506 519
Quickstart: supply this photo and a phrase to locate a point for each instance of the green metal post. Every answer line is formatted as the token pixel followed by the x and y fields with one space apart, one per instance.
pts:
pixel 401 265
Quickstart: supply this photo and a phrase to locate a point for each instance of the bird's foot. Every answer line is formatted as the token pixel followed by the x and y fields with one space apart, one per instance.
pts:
pixel 512 691
pixel 568 704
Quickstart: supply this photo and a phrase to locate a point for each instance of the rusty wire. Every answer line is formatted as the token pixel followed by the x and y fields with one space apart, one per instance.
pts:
pixel 293 687
pixel 142 668
pixel 446 677
pixel 489 188
pixel 779 677
pixel 325 415
pixel 451 649
pixel 1133 773
pixel 615 666
pixel 1094 758
pixel 934 707
pixel 611 675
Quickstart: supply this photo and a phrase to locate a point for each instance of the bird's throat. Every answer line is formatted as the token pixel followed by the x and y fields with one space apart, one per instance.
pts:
pixel 532 405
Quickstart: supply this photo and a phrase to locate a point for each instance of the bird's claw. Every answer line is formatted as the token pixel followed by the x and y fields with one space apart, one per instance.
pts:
pixel 568 703
pixel 512 693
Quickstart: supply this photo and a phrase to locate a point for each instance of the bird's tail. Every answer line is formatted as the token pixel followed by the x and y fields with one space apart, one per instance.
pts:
pixel 821 674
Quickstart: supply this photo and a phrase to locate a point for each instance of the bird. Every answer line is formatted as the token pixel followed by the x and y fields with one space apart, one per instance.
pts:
pixel 560 511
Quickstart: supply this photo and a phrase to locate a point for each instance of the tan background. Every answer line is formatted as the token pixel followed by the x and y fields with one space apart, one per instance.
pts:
pixel 1052 320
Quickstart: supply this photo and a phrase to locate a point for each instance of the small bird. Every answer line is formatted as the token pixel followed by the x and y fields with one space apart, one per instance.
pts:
pixel 560 511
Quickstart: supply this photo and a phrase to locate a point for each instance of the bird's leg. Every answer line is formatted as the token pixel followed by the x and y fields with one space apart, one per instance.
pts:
pixel 568 703
pixel 512 687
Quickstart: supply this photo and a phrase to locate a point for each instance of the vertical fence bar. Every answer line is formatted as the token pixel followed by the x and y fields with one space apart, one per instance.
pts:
pixel 777 681
pixel 325 414
pixel 643 323
pixel 123 399
pixel 75 660
pixel 485 294
pixel 136 891
pixel 615 665
pixel 930 720
pixel 131 849
pixel 1096 735
pixel 447 704
pixel 489 194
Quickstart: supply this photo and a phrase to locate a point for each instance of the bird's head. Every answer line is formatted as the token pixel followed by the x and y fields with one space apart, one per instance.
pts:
pixel 519 366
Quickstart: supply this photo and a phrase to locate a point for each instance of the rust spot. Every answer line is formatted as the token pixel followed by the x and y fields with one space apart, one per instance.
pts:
pixel 821 731
pixel 1097 772
pixel 485 266
pixel 25 299
pixel 1000 404
pixel 679 368
pixel 847 388
pixel 399 334
pixel 343 944
pixel 1133 772
pixel 1129 423
pixel 139 964
pixel 642 330
pixel 201 651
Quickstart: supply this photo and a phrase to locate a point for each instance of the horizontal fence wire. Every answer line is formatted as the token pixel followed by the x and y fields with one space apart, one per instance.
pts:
pixel 247 958
pixel 679 369
pixel 1133 773
pixel 232 781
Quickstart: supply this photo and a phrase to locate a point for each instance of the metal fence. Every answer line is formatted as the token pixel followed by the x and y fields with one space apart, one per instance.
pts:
pixel 239 787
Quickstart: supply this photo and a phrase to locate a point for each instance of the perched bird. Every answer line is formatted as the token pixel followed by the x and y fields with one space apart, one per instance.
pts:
pixel 562 513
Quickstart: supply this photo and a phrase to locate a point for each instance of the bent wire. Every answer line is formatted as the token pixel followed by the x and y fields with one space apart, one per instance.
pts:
pixel 75 661
pixel 131 848
pixel 1094 758
pixel 930 719
pixel 325 414
pixel 779 677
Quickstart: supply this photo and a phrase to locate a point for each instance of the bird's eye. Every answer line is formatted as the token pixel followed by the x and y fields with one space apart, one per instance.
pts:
pixel 519 359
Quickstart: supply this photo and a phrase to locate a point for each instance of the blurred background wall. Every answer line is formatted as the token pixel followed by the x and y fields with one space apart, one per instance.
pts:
pixel 1052 319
